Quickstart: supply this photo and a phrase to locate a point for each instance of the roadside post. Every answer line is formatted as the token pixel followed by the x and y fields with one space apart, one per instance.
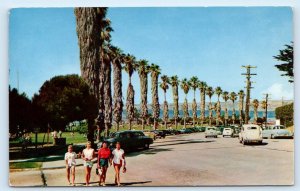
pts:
pixel 36 130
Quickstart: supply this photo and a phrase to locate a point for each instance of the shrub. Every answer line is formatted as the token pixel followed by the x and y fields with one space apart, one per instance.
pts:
pixel 285 114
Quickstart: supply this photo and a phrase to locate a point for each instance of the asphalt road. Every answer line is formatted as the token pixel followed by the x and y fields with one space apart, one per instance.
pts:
pixel 192 160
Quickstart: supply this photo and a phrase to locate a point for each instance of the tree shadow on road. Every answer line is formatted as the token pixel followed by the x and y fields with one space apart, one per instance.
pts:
pixel 184 142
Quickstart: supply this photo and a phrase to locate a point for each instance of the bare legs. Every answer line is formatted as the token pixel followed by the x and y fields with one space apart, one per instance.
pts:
pixel 71 170
pixel 68 174
pixel 117 176
pixel 102 177
pixel 87 175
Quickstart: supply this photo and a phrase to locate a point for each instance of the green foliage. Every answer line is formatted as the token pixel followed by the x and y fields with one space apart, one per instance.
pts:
pixel 285 114
pixel 64 99
pixel 285 56
pixel 21 114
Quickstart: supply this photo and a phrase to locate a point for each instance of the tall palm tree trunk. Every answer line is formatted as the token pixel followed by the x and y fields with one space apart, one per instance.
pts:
pixel 130 104
pixel 118 102
pixel 202 95
pixel 176 106
pixel 226 114
pixel 89 41
pixel 107 97
pixel 166 110
pixel 233 113
pixel 144 92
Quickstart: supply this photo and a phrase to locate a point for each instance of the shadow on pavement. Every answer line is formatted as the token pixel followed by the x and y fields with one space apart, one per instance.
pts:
pixel 110 185
pixel 185 142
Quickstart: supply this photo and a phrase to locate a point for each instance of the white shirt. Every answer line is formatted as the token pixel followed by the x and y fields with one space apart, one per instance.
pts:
pixel 71 158
pixel 118 155
pixel 88 153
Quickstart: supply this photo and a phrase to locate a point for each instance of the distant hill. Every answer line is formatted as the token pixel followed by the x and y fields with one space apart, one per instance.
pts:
pixel 273 104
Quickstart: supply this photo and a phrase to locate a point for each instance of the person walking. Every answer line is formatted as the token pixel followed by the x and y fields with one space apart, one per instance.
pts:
pixel 118 156
pixel 70 157
pixel 103 161
pixel 88 155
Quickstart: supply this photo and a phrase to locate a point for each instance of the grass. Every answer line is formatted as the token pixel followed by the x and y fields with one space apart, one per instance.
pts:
pixel 79 138
pixel 22 165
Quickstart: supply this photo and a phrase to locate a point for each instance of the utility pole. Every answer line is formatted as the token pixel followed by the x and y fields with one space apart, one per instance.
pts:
pixel 266 109
pixel 248 75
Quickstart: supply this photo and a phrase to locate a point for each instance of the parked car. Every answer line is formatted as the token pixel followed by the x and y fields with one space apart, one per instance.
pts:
pixel 227 132
pixel 159 134
pixel 250 133
pixel 130 140
pixel 185 131
pixel 236 131
pixel 211 132
pixel 276 131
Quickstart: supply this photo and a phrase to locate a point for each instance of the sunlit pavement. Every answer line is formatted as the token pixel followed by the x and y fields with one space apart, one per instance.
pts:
pixel 192 160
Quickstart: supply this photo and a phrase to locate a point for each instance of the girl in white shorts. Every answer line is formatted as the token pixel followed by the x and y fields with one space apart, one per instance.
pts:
pixel 70 157
pixel 88 155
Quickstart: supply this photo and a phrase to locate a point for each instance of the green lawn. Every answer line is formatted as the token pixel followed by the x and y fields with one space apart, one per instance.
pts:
pixel 22 165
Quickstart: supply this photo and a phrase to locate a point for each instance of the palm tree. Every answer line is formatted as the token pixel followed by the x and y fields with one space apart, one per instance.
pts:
pixel 89 24
pixel 202 87
pixel 185 86
pixel 233 97
pixel 118 59
pixel 264 106
pixel 194 83
pixel 107 86
pixel 130 66
pixel 225 97
pixel 210 93
pixel 155 71
pixel 106 57
pixel 255 104
pixel 218 92
pixel 174 82
pixel 144 69
pixel 241 106
pixel 164 86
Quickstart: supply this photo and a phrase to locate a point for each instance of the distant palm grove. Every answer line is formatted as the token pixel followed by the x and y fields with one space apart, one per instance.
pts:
pixel 99 59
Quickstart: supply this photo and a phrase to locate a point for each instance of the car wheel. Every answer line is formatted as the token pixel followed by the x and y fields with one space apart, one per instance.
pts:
pixel 146 146
pixel 244 142
pixel 205 136
pixel 260 142
pixel 240 140
pixel 223 136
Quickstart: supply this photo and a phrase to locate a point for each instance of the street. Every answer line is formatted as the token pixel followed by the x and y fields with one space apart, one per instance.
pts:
pixel 189 160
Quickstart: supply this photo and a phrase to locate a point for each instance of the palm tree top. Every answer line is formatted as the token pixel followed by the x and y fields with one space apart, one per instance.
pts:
pixel 255 102
pixel 194 82
pixel 185 86
pixel 202 85
pixel 225 95
pixel 173 80
pixel 154 68
pixel 164 84
pixel 143 67
pixel 218 91
pixel 233 96
pixel 209 91
pixel 130 64
pixel 241 93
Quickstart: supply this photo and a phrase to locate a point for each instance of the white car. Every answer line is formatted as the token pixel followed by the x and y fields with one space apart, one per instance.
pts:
pixel 250 133
pixel 211 132
pixel 228 132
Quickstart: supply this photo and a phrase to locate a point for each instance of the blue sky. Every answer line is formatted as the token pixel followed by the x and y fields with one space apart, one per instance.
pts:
pixel 211 43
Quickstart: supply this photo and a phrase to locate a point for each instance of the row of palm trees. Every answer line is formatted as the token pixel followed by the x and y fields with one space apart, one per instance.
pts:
pixel 97 58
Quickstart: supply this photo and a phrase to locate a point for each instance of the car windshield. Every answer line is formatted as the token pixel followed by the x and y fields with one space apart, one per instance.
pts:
pixel 252 128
